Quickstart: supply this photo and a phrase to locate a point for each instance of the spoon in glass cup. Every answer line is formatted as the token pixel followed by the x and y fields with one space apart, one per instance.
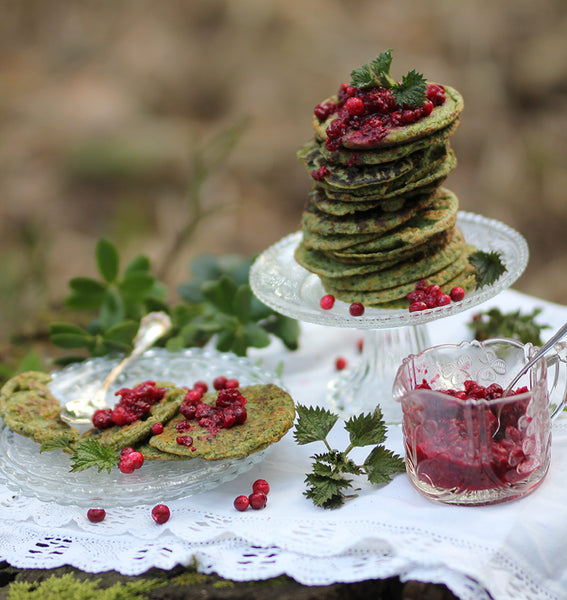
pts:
pixel 80 411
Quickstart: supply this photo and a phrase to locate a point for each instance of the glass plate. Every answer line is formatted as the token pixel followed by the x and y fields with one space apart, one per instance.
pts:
pixel 47 477
pixel 281 283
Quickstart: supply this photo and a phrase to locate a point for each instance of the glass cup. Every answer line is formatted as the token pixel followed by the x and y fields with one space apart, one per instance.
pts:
pixel 478 450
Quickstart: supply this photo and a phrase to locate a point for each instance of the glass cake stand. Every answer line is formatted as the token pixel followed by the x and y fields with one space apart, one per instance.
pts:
pixel 47 475
pixel 389 335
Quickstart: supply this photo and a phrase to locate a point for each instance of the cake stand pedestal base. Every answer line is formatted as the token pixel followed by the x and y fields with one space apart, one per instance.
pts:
pixel 369 384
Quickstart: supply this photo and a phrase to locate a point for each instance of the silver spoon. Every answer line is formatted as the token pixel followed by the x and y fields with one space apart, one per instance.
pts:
pixel 543 350
pixel 81 410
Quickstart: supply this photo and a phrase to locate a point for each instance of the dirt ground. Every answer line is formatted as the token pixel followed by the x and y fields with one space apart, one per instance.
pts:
pixel 102 104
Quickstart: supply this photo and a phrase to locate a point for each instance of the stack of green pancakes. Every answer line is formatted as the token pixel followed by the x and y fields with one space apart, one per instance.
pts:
pixel 378 218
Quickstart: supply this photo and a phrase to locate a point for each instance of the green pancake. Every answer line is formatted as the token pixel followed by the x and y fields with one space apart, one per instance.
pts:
pixel 440 216
pixel 397 255
pixel 338 208
pixel 129 435
pixel 442 277
pixel 442 116
pixel 28 407
pixel 270 410
pixel 375 221
pixel 404 272
pixel 418 180
pixel 382 155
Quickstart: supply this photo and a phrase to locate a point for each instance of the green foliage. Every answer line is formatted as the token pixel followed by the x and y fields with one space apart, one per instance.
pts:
pixel 328 481
pixel 91 453
pixel 411 91
pixel 69 587
pixel 217 302
pixel 489 266
pixel 514 324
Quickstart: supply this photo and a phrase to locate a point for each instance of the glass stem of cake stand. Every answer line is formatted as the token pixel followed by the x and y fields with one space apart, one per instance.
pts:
pixel 369 383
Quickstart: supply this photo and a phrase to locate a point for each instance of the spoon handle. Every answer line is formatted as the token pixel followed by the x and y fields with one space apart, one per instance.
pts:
pixel 543 350
pixel 152 327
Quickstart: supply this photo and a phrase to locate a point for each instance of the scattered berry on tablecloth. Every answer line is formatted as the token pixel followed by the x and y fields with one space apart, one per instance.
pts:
pixel 241 503
pixel 160 514
pixel 96 515
pixel 262 486
pixel 257 500
pixel 340 363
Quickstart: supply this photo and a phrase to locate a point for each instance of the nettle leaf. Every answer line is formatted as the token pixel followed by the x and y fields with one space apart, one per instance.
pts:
pixel 489 266
pixel 381 65
pixel 91 453
pixel 411 91
pixel 325 491
pixel 366 429
pixel 381 464
pixel 220 293
pixel 313 424
pixel 363 78
pixel 107 260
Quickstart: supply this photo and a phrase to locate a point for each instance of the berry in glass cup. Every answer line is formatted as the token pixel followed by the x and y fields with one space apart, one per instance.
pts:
pixel 467 443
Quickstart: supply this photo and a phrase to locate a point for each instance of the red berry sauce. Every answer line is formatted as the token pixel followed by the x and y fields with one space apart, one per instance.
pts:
pixel 468 446
pixel 368 115
pixel 135 403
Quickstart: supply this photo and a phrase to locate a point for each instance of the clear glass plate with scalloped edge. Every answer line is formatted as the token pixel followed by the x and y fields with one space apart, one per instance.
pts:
pixel 284 285
pixel 47 475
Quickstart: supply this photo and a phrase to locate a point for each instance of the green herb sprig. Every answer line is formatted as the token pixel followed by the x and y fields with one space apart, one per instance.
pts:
pixel 514 324
pixel 91 453
pixel 488 266
pixel 411 91
pixel 329 480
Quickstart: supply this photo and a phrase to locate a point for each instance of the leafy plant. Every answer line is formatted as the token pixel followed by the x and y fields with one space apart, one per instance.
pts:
pixel 119 300
pixel 327 483
pixel 515 324
pixel 411 91
pixel 91 453
pixel 217 302
pixel 488 266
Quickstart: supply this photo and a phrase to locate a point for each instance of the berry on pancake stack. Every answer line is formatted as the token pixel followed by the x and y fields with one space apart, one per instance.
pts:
pixel 378 218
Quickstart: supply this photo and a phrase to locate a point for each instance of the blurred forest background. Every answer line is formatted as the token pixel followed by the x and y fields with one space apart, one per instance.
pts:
pixel 103 103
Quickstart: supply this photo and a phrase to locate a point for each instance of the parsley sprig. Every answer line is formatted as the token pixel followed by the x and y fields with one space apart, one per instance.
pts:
pixel 411 91
pixel 329 479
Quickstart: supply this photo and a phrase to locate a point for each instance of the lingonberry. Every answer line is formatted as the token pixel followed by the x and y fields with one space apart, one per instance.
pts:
pixel 157 428
pixel 257 500
pixel 416 296
pixel 136 458
pixel 421 284
pixel 126 466
pixel 125 451
pixel 356 309
pixel 240 414
pixel 340 363
pixel 324 110
pixel 354 106
pixel 232 384
pixel 443 299
pixel 193 396
pixel 219 382
pixel 201 386
pixel 241 503
pixel 102 419
pixel 184 440
pixel 432 289
pixel 96 515
pixel 160 514
pixel 360 344
pixel 327 302
pixel 417 306
pixel 457 294
pixel 262 486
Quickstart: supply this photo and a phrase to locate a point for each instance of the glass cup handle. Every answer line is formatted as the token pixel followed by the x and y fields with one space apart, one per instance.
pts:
pixel 554 360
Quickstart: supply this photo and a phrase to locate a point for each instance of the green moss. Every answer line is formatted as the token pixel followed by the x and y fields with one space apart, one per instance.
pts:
pixel 68 587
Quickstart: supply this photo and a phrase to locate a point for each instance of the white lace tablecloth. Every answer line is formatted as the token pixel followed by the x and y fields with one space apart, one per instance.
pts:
pixel 516 550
